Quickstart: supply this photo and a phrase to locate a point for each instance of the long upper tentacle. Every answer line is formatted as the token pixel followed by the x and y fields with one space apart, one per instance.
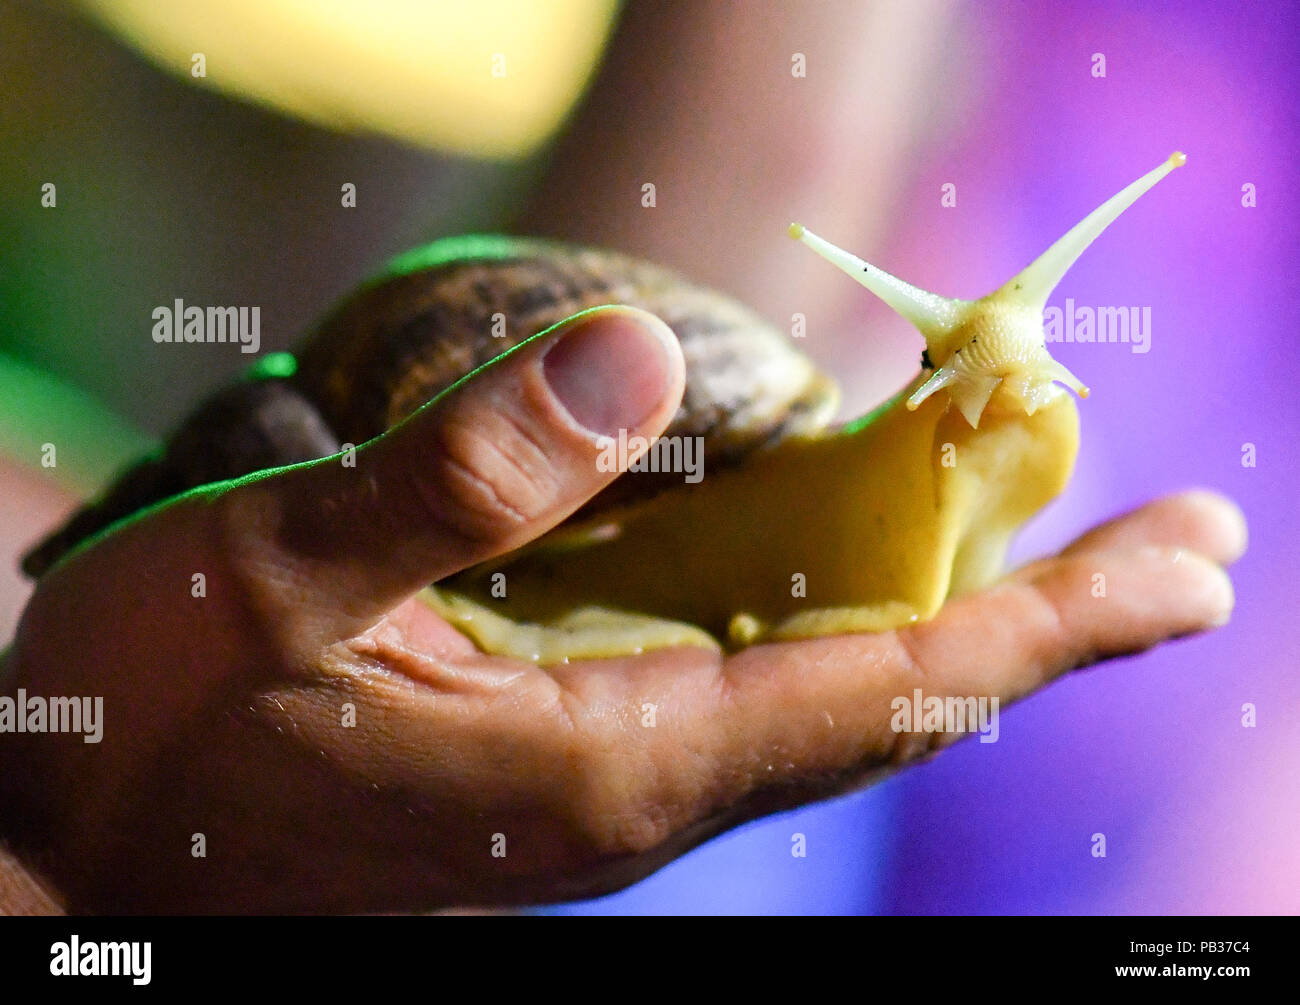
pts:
pixel 1034 284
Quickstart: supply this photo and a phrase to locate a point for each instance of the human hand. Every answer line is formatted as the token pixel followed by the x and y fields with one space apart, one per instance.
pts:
pixel 224 715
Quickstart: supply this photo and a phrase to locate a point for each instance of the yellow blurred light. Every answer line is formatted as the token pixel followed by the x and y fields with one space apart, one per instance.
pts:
pixel 429 73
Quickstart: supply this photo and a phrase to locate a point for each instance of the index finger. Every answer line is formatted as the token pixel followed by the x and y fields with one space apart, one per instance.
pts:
pixel 822 709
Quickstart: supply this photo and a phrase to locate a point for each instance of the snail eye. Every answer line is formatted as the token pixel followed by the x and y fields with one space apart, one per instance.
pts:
pixel 926 364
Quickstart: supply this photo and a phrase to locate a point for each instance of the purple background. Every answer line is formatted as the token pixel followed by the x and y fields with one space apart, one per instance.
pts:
pixel 1200 814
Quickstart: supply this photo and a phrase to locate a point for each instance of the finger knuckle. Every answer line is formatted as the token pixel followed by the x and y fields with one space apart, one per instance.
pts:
pixel 617 824
pixel 625 803
pixel 486 479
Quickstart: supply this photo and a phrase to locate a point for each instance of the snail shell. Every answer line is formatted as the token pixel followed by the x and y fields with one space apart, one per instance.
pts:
pixel 403 338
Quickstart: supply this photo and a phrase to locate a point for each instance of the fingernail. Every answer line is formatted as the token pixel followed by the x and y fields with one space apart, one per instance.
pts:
pixel 1218 597
pixel 1224 599
pixel 1231 522
pixel 611 370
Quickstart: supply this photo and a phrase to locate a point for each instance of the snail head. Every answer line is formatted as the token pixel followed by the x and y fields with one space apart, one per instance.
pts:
pixel 995 345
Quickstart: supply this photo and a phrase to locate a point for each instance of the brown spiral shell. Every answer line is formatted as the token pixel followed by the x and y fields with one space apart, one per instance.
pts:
pixel 395 344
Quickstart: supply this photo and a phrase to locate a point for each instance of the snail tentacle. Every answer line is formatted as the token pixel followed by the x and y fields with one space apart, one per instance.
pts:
pixel 1035 283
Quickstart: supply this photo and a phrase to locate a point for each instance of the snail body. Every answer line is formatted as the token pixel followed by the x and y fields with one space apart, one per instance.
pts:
pixel 797 529
pixel 819 535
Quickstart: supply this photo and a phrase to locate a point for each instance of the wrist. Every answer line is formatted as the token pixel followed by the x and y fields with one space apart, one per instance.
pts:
pixel 22 889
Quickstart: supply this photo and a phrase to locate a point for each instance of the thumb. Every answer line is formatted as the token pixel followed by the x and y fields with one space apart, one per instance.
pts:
pixel 492 463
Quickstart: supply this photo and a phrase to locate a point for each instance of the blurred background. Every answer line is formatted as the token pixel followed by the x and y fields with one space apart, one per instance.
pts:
pixel 225 187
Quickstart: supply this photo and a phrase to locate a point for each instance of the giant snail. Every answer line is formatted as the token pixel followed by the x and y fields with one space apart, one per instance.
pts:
pixel 798 529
